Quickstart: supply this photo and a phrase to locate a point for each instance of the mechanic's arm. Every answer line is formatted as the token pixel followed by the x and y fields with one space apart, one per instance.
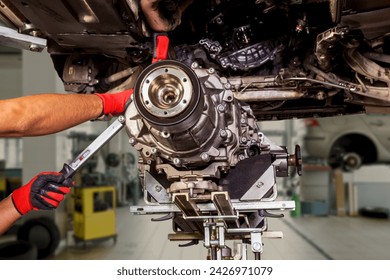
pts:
pixel 43 114
pixel 8 214
pixel 44 192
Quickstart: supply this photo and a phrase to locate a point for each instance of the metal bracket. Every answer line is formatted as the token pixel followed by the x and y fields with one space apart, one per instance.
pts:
pixel 214 238
pixel 256 242
pixel 11 38
pixel 262 186
pixel 155 189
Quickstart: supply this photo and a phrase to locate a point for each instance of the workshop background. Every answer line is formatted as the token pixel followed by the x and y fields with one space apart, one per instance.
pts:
pixel 339 215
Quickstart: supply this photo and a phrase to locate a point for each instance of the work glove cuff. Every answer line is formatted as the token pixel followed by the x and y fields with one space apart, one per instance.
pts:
pixel 115 103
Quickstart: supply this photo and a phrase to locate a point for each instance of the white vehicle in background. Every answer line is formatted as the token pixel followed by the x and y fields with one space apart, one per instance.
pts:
pixel 349 141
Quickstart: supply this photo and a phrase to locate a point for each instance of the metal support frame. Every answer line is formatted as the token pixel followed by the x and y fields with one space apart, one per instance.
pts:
pixel 12 38
pixel 241 206
pixel 222 226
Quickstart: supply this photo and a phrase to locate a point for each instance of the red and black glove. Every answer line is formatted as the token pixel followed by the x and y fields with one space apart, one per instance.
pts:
pixel 115 103
pixel 44 192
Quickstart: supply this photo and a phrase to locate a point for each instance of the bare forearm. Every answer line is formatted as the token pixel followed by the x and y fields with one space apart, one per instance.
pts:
pixel 8 214
pixel 43 114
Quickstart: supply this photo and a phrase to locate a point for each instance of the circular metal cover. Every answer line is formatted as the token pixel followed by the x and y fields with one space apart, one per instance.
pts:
pixel 167 93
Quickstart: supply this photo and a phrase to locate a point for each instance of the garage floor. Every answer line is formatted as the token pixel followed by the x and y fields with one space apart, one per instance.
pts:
pixel 305 238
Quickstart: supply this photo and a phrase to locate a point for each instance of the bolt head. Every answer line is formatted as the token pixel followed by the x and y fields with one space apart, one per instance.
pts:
pixel 221 108
pixel 205 157
pixel 256 246
pixel 223 133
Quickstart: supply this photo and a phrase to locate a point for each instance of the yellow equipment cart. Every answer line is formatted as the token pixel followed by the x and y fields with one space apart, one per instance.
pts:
pixel 94 213
pixel 3 185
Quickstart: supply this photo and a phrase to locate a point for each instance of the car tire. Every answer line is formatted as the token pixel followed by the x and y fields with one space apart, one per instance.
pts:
pixel 351 151
pixel 18 250
pixel 335 159
pixel 374 212
pixel 43 233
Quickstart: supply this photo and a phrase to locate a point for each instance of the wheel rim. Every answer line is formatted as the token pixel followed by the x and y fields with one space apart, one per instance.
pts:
pixel 351 161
